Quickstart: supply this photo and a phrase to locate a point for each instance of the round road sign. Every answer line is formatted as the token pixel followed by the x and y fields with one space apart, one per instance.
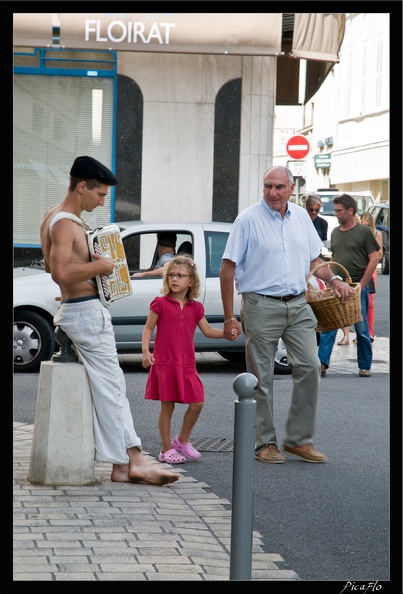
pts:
pixel 297 147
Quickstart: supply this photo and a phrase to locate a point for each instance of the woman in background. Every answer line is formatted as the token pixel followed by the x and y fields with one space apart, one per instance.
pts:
pixel 313 205
pixel 368 219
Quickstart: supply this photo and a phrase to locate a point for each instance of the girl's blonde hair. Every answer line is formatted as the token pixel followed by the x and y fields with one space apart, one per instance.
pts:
pixel 194 290
pixel 368 217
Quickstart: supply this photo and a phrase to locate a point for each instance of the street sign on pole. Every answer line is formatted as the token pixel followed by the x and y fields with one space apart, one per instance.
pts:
pixel 297 168
pixel 298 147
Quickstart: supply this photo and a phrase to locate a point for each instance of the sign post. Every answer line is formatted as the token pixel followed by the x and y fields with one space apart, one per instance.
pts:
pixel 297 148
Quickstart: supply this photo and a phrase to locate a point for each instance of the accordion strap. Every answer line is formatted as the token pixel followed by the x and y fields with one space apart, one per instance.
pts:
pixel 67 215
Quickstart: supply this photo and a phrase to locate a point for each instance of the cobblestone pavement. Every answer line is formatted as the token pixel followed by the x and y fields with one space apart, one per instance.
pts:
pixel 126 532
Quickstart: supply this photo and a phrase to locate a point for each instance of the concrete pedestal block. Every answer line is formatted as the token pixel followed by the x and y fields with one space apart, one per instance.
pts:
pixel 63 439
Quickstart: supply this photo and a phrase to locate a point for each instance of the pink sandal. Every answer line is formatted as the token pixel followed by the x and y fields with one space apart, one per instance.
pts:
pixel 186 449
pixel 171 457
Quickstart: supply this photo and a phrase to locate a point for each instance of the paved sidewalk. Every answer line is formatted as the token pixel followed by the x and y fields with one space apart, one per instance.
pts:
pixel 127 532
pixel 124 532
pixel 344 357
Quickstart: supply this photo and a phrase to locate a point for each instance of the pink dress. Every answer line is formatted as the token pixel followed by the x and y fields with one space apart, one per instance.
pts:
pixel 173 376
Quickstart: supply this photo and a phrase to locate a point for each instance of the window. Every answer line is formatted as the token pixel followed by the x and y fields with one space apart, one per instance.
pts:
pixel 365 78
pixel 141 251
pixel 379 66
pixel 347 94
pixel 57 116
pixel 215 246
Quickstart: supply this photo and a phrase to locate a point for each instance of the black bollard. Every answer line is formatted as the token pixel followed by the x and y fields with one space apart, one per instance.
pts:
pixel 242 479
pixel 66 354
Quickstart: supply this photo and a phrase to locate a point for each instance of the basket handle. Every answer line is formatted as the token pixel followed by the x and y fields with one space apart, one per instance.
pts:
pixel 312 272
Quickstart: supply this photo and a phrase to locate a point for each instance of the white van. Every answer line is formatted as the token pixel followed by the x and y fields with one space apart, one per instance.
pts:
pixel 364 201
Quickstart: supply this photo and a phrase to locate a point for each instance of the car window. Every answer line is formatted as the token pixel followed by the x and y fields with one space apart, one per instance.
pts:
pixel 215 245
pixel 380 217
pixel 131 244
pixel 327 205
pixel 386 217
pixel 380 214
pixel 141 252
pixel 362 203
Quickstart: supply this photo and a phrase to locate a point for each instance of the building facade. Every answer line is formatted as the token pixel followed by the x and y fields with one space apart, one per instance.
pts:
pixel 347 122
pixel 188 128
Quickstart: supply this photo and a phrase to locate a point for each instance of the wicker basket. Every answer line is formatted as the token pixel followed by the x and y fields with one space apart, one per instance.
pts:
pixel 331 313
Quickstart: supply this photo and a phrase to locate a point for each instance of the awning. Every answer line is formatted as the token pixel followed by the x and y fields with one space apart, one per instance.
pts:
pixel 197 33
pixel 33 30
pixel 316 38
pixel 313 38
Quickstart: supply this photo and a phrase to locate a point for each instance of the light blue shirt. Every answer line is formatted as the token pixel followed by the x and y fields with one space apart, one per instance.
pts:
pixel 272 255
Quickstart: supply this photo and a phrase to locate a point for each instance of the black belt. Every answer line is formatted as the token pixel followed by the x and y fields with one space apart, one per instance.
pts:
pixel 283 298
pixel 80 299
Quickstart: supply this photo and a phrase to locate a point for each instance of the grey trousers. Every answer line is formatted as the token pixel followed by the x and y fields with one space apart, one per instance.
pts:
pixel 89 326
pixel 264 322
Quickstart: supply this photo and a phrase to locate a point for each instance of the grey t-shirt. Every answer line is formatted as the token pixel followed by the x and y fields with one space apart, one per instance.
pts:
pixel 163 260
pixel 351 249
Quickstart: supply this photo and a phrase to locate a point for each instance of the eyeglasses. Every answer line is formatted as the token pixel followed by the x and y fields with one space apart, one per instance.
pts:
pixel 177 275
pixel 314 209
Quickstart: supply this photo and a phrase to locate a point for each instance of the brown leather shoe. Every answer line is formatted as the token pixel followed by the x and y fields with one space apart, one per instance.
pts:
pixel 270 453
pixel 306 452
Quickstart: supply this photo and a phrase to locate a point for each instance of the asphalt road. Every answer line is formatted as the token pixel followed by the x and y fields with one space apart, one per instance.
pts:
pixel 330 522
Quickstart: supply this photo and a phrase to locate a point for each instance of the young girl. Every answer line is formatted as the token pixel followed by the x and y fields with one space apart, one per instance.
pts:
pixel 173 377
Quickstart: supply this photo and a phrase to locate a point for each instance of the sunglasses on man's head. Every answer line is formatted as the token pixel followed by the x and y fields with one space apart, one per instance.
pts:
pixel 314 209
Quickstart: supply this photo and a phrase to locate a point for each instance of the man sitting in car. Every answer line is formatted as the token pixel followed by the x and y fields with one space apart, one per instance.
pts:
pixel 166 242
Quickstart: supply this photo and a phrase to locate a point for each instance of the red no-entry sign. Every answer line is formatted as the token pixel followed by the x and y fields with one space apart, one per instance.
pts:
pixel 297 147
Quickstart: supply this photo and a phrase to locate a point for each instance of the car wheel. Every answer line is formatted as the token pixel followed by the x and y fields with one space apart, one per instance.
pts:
pixel 384 265
pixel 33 341
pixel 281 366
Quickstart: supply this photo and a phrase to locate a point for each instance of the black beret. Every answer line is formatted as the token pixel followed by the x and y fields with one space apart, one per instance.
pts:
pixel 90 168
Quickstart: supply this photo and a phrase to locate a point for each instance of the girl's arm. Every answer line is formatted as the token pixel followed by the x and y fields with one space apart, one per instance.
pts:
pixel 211 332
pixel 148 358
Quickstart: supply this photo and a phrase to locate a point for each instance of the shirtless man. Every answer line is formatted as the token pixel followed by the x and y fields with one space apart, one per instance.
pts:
pixel 87 322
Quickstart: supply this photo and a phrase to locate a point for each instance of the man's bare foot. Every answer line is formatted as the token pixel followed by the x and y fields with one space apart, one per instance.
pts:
pixel 139 470
pixel 151 475
pixel 143 474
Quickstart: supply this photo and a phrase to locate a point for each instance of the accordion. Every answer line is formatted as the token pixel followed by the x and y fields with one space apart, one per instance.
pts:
pixel 107 241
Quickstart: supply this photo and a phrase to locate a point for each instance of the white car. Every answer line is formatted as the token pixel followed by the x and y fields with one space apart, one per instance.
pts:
pixel 37 297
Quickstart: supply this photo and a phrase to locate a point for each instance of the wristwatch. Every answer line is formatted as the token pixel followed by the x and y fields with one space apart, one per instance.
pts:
pixel 336 276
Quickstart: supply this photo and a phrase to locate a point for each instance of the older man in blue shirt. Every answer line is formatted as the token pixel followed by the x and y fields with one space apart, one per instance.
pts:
pixel 270 251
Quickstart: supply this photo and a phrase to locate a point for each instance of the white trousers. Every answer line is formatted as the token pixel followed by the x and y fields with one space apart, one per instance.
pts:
pixel 89 326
